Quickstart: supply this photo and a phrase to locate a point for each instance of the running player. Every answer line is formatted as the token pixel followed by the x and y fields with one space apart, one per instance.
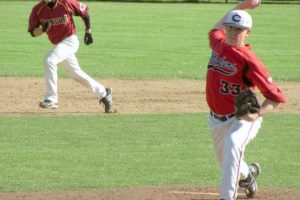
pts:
pixel 55 18
pixel 232 68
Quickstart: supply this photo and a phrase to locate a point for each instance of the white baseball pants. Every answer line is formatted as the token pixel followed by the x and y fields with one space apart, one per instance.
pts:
pixel 230 139
pixel 64 53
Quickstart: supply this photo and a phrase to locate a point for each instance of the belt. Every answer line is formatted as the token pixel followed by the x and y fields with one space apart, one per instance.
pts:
pixel 222 118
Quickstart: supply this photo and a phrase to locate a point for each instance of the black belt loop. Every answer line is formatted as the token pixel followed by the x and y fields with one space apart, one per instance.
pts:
pixel 222 118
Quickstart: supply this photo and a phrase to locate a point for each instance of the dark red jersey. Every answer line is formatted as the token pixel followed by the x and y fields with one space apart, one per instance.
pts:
pixel 230 71
pixel 60 16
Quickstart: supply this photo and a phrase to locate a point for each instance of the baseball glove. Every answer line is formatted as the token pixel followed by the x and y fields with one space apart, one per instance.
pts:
pixel 245 103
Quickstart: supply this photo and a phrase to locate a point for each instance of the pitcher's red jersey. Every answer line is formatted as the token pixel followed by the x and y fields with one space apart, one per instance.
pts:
pixel 60 16
pixel 230 71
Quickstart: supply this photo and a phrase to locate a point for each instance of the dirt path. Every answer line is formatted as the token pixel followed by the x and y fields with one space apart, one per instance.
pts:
pixel 149 193
pixel 21 96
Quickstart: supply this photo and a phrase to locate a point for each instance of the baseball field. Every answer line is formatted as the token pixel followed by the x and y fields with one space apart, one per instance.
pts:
pixel 157 145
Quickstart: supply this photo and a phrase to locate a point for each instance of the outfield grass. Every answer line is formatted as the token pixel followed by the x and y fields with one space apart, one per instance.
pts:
pixel 80 152
pixel 151 41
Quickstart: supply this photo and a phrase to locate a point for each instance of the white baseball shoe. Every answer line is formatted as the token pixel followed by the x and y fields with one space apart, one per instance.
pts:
pixel 48 104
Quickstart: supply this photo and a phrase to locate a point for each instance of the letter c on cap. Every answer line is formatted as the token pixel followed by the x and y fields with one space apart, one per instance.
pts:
pixel 236 18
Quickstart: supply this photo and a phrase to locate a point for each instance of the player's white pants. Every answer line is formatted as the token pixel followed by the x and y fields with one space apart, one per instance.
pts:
pixel 64 53
pixel 230 139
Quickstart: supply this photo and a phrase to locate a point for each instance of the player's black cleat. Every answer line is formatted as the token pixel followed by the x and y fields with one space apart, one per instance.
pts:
pixel 107 101
pixel 249 184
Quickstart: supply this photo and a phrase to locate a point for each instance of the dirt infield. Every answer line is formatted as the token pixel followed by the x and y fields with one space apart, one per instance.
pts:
pixel 149 193
pixel 21 96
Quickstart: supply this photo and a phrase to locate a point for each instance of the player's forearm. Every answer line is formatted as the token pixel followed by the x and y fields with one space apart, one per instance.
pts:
pixel 42 28
pixel 247 4
pixel 37 31
pixel 87 23
pixel 267 106
pixel 219 24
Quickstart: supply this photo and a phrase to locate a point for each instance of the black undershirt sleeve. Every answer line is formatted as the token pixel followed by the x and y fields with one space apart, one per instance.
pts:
pixel 87 22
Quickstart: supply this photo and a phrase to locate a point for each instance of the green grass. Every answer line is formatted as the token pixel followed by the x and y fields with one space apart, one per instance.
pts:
pixel 151 41
pixel 141 41
pixel 80 152
pixel 277 149
pixel 92 152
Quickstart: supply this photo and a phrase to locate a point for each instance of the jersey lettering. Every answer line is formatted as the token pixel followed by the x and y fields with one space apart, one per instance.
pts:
pixel 58 20
pixel 221 65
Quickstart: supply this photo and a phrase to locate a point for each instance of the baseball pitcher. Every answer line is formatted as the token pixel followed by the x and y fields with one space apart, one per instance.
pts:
pixel 232 69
